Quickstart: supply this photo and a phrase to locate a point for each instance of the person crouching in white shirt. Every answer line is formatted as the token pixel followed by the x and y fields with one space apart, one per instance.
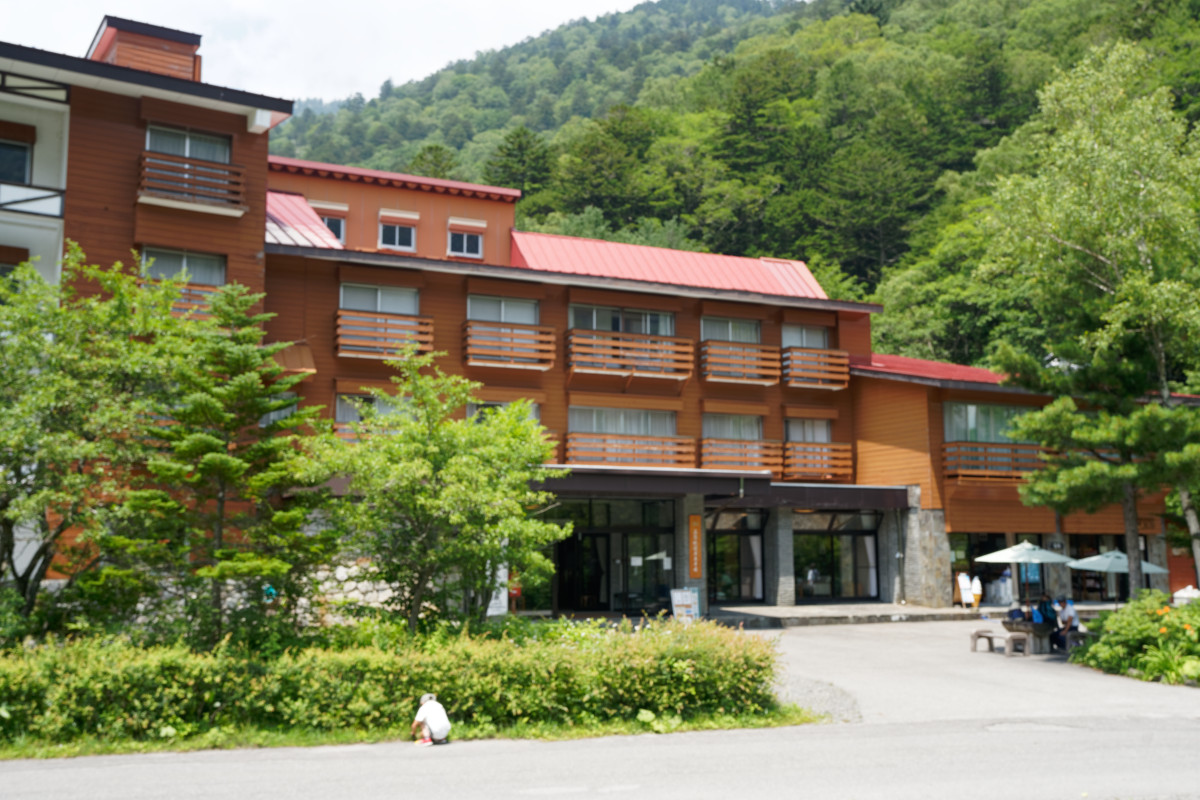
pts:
pixel 431 721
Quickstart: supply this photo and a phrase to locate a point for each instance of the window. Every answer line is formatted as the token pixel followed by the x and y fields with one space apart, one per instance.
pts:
pixel 622 320
pixel 621 421
pixel 278 414
pixel 200 268
pixel 730 330
pixel 809 337
pixel 817 431
pixel 972 422
pixel 188 144
pixel 388 299
pixel 473 409
pixel 742 427
pixel 502 309
pixel 349 407
pixel 337 226
pixel 394 236
pixel 15 162
pixel 468 245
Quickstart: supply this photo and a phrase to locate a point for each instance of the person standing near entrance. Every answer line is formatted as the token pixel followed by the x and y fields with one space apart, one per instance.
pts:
pixel 431 721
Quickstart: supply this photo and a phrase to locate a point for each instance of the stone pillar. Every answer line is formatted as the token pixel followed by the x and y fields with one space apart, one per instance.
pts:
pixel 927 574
pixel 1156 553
pixel 889 556
pixel 779 575
pixel 685 507
pixel 1057 577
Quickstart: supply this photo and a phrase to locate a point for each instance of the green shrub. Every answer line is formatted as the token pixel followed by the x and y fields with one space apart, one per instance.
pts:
pixel 1150 636
pixel 558 673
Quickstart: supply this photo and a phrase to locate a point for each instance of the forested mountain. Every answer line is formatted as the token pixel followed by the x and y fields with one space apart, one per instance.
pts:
pixel 863 136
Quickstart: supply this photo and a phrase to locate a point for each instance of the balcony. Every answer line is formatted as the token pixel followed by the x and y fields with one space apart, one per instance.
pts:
pixel 630 354
pixel 378 334
pixel 818 461
pixel 188 183
pixel 989 461
pixel 804 368
pixel 506 345
pixel 29 199
pixel 745 454
pixel 195 299
pixel 611 448
pixel 738 362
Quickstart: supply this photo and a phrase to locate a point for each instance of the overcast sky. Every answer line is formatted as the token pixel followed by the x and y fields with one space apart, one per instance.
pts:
pixel 303 48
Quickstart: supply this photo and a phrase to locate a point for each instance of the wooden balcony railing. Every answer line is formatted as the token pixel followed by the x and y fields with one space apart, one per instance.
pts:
pixel 818 461
pixel 741 454
pixel 630 354
pixel 504 344
pixel 611 448
pixel 30 199
pixel 194 299
pixel 804 368
pixel 737 362
pixel 989 460
pixel 211 185
pixel 378 334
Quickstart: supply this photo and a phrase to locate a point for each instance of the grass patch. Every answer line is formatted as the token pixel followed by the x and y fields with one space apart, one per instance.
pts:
pixel 245 738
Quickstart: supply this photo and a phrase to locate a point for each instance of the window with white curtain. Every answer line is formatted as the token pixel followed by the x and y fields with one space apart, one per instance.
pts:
pixel 810 430
pixel 722 329
pixel 204 269
pixel 733 426
pixel 188 144
pixel 621 421
pixel 349 407
pixel 622 320
pixel 502 309
pixel 978 422
pixel 809 337
pixel 389 299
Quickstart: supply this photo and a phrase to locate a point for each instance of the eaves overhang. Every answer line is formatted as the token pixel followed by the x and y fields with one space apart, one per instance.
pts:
pixel 564 279
pixel 966 386
pixel 74 71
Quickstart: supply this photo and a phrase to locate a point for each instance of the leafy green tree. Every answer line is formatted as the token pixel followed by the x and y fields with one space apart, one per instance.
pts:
pixel 1105 238
pixel 79 363
pixel 522 161
pixel 440 504
pixel 212 513
pixel 434 161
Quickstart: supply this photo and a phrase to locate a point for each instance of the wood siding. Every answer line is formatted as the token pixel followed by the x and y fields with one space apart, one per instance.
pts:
pixel 304 295
pixel 435 209
pixel 892 436
pixel 108 135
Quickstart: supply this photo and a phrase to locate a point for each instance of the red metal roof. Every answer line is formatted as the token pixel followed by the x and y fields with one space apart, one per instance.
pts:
pixel 396 179
pixel 920 368
pixel 292 221
pixel 567 254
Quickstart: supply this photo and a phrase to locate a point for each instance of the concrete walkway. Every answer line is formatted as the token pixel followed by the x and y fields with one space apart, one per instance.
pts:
pixel 757 616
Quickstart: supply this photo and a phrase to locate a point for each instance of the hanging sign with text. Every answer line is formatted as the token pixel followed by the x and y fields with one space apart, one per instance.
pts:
pixel 695 546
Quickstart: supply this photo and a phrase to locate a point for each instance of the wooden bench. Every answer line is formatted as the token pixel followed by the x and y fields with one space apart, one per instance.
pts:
pixel 1011 638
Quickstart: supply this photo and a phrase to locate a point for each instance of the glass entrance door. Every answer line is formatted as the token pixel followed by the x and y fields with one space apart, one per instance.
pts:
pixel 736 569
pixel 647 565
pixel 584 572
pixel 835 566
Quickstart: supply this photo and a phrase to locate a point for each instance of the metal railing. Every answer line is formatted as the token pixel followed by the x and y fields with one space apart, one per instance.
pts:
pixel 629 354
pixel 29 199
pixel 378 334
pixel 816 369
pixel 505 344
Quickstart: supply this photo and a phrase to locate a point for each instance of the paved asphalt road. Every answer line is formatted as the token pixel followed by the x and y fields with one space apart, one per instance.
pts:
pixel 930 719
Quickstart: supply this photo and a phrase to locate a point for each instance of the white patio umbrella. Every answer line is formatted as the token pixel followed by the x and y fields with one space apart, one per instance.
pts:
pixel 1024 553
pixel 1114 561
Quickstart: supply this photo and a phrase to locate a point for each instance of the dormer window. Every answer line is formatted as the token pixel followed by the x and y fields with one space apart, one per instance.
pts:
pixel 395 236
pixel 337 226
pixel 465 245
